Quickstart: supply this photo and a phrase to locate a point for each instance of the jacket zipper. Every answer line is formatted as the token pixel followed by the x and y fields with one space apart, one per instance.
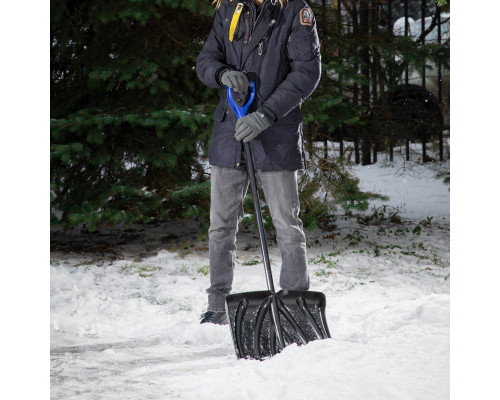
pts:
pixel 259 52
pixel 246 34
pixel 255 23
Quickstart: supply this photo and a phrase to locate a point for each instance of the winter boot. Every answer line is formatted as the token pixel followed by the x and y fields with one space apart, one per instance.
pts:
pixel 213 317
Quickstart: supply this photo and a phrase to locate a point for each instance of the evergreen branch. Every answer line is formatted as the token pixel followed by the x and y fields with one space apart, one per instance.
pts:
pixel 169 35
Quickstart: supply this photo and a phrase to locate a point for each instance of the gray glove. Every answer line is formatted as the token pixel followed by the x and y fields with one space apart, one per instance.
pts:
pixel 249 126
pixel 236 80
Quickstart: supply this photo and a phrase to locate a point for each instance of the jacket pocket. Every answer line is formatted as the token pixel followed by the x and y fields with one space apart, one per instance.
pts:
pixel 220 113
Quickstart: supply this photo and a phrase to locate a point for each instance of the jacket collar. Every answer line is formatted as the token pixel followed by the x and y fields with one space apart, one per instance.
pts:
pixel 251 2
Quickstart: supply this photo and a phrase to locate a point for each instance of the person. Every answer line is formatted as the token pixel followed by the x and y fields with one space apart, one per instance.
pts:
pixel 275 44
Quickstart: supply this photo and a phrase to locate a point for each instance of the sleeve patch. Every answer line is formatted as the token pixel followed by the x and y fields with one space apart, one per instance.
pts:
pixel 306 16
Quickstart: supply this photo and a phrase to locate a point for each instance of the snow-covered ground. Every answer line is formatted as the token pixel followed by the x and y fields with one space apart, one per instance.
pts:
pixel 125 307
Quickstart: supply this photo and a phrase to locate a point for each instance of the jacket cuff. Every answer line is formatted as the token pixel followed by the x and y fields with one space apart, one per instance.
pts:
pixel 270 115
pixel 219 72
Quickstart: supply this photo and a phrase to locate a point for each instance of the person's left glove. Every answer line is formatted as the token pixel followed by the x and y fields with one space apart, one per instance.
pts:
pixel 249 126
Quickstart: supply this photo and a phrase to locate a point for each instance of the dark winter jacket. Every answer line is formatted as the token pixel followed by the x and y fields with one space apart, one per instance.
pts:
pixel 279 50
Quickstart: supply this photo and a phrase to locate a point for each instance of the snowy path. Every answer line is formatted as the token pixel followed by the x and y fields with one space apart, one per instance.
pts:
pixel 125 308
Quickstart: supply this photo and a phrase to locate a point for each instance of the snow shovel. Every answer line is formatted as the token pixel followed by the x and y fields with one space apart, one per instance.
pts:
pixel 264 322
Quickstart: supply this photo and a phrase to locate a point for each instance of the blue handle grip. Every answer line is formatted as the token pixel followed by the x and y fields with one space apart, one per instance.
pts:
pixel 240 111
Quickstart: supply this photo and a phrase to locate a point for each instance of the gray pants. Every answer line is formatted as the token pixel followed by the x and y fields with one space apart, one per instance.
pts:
pixel 228 189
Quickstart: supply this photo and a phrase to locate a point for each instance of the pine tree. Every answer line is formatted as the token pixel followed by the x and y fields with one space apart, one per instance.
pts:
pixel 128 114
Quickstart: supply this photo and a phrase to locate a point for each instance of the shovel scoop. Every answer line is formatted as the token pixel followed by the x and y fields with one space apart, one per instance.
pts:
pixel 264 322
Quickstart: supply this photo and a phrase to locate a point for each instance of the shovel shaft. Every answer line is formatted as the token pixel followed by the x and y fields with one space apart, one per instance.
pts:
pixel 241 112
pixel 258 217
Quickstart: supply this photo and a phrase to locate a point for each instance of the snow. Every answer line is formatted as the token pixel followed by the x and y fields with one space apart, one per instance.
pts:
pixel 125 307
pixel 415 191
pixel 399 25
pixel 415 28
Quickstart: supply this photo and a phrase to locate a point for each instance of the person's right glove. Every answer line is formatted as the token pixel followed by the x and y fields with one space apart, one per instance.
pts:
pixel 236 80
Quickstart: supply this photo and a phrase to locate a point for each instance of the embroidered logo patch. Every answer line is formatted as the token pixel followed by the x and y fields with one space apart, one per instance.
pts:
pixel 305 16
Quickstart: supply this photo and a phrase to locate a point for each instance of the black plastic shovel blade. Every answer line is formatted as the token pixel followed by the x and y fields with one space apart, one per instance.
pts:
pixel 300 316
